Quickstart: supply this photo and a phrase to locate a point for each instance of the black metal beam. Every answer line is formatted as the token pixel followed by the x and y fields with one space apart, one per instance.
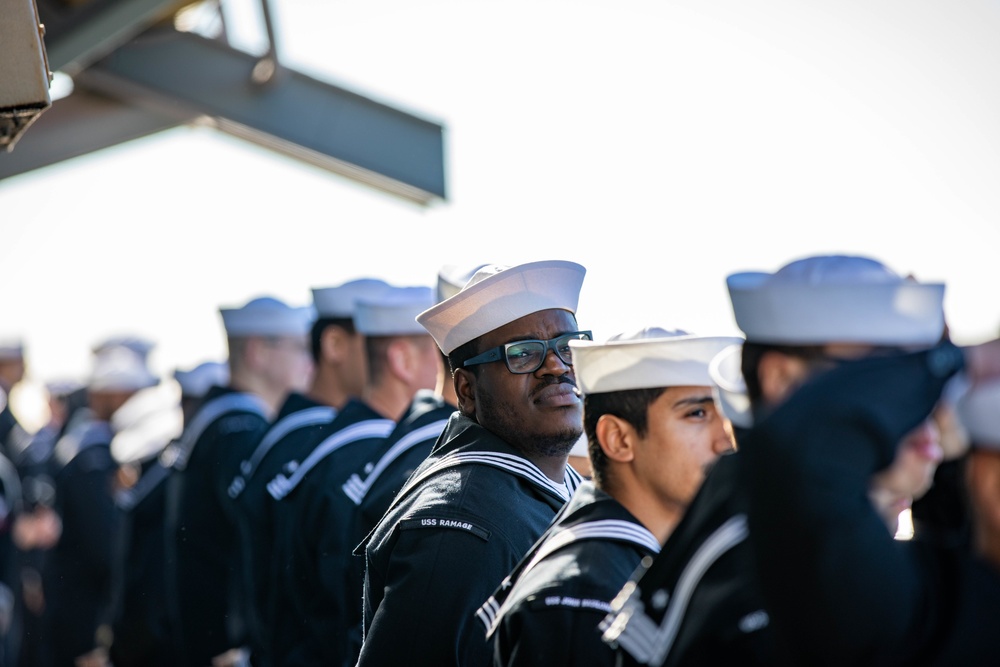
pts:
pixel 77 33
pixel 352 135
pixel 81 123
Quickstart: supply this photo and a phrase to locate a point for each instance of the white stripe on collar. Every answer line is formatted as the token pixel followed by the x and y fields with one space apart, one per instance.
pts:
pixel 636 632
pixel 602 529
pixel 177 454
pixel 314 416
pixel 509 462
pixel 281 486
pixel 356 488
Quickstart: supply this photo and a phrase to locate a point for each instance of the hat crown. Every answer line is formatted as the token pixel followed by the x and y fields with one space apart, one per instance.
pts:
pixel 394 312
pixel 497 295
pixel 836 298
pixel 836 270
pixel 119 368
pixel 649 332
pixel 453 278
pixel 197 381
pixel 340 301
pixel 11 348
pixel 266 316
pixel 137 344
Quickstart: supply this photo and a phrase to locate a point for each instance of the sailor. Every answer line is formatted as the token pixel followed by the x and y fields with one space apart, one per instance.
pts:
pixel 497 475
pixel 701 596
pixel 979 413
pixel 139 622
pixel 318 598
pixel 653 430
pixel 78 571
pixel 373 487
pixel 36 526
pixel 304 419
pixel 268 358
pixel 850 594
pixel 195 383
pixel 12 369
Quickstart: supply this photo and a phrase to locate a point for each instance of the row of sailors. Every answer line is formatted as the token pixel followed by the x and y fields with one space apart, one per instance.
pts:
pixel 392 513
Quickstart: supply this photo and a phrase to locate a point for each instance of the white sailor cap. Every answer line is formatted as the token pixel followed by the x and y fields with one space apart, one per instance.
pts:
pixel 452 278
pixel 730 389
pixel 646 359
pixel 497 295
pixel 978 411
pixel 836 299
pixel 146 423
pixel 338 302
pixel 137 344
pixel 394 312
pixel 11 349
pixel 266 316
pixel 119 368
pixel 62 387
pixel 197 381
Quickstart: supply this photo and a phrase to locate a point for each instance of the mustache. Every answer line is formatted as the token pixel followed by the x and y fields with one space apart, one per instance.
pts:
pixel 551 379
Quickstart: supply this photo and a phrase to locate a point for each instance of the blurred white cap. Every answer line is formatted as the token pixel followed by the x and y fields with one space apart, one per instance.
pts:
pixel 836 299
pixel 197 381
pixel 978 411
pixel 267 316
pixel 120 369
pixel 338 302
pixel 452 278
pixel 393 312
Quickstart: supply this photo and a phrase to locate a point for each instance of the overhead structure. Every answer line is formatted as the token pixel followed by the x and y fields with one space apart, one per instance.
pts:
pixel 24 73
pixel 135 73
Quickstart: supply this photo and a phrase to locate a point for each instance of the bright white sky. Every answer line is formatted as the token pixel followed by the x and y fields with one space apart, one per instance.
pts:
pixel 662 144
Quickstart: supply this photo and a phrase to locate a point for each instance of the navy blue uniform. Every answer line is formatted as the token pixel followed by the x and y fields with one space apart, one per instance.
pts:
pixel 862 598
pixel 373 488
pixel 314 536
pixel 459 526
pixel 77 576
pixel 139 619
pixel 300 424
pixel 202 556
pixel 547 611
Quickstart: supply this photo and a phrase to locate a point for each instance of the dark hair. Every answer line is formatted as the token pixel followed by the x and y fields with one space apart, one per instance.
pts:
pixel 632 405
pixel 320 325
pixel 463 353
pixel 754 352
pixel 376 351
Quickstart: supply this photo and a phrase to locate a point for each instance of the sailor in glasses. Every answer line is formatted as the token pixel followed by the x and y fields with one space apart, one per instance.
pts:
pixel 496 477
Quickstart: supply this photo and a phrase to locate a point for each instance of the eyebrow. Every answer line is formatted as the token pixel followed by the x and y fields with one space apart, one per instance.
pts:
pixel 693 400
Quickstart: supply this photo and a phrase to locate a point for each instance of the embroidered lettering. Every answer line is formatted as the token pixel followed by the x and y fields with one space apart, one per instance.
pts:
pixel 442 522
pixel 570 602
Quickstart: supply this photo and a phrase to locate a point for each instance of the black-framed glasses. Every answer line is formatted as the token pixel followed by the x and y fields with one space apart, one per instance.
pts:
pixel 527 356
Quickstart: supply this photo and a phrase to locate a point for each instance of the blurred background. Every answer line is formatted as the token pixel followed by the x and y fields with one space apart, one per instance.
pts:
pixel 662 144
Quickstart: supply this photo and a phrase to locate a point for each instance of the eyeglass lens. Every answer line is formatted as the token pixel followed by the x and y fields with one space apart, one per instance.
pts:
pixel 529 355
